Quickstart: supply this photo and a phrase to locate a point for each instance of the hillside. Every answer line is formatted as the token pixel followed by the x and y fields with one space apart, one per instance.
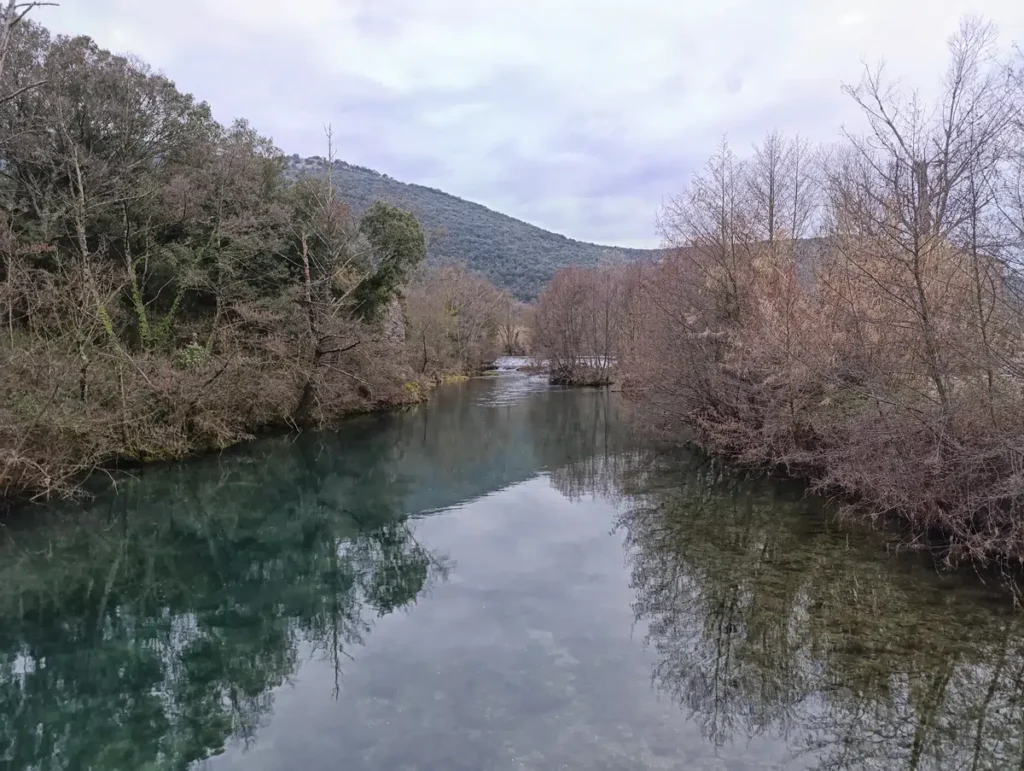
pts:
pixel 513 254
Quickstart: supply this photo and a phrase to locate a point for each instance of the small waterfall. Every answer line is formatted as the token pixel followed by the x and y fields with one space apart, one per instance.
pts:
pixel 511 363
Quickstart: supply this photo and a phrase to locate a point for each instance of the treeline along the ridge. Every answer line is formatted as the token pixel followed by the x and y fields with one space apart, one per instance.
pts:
pixel 510 253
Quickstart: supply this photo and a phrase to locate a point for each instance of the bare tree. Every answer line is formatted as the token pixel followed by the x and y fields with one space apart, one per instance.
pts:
pixel 579 324
pixel 512 327
pixel 455 318
pixel 919 183
pixel 884 359
pixel 11 15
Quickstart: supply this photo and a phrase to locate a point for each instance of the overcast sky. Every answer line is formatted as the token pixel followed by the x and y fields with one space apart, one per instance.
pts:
pixel 577 115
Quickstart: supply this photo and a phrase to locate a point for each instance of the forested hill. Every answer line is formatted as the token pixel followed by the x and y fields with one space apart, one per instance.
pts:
pixel 513 254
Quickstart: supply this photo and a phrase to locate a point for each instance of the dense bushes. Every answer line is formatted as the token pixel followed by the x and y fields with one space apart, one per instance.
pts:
pixel 884 359
pixel 853 314
pixel 163 287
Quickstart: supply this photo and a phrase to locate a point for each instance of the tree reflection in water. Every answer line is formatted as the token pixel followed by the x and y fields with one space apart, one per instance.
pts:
pixel 765 617
pixel 149 634
pixel 150 631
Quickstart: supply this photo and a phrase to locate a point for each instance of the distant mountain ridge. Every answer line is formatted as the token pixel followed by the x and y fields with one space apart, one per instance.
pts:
pixel 513 254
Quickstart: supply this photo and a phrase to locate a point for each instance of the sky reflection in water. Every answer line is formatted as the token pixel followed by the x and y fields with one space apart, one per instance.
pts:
pixel 501 579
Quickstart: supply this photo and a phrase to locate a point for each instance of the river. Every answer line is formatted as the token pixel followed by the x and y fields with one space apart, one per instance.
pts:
pixel 502 578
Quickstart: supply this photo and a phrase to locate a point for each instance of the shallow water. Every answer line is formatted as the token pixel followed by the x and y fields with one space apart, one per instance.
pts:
pixel 500 579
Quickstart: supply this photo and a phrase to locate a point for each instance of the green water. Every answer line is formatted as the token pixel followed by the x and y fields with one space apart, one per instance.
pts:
pixel 500 579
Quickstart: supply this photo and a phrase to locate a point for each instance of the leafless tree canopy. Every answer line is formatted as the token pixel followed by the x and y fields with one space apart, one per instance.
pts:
pixel 852 313
pixel 584 322
pixel 454 318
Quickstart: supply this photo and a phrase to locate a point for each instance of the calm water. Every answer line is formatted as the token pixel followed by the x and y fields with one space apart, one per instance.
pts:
pixel 500 579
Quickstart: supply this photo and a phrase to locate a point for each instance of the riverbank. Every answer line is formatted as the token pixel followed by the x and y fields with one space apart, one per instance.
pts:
pixel 187 293
pixel 584 377
pixel 940 484
pixel 419 557
pixel 51 442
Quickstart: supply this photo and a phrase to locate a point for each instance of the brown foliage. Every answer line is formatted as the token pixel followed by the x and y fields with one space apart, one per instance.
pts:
pixel 583 321
pixel 514 320
pixel 454 317
pixel 881 358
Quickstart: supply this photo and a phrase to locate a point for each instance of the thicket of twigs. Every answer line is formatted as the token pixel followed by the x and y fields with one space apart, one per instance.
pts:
pixel 459 322
pixel 584 319
pixel 164 288
pixel 854 313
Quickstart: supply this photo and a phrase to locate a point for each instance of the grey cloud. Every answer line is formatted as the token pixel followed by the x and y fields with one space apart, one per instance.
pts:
pixel 589 156
pixel 574 115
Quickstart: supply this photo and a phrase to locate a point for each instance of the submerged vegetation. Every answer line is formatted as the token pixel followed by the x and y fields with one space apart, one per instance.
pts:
pixel 764 618
pixel 850 314
pixel 762 624
pixel 166 286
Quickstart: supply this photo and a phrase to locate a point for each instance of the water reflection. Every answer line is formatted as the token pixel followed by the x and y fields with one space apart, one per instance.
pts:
pixel 766 621
pixel 153 631
pixel 150 629
pixel 155 628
